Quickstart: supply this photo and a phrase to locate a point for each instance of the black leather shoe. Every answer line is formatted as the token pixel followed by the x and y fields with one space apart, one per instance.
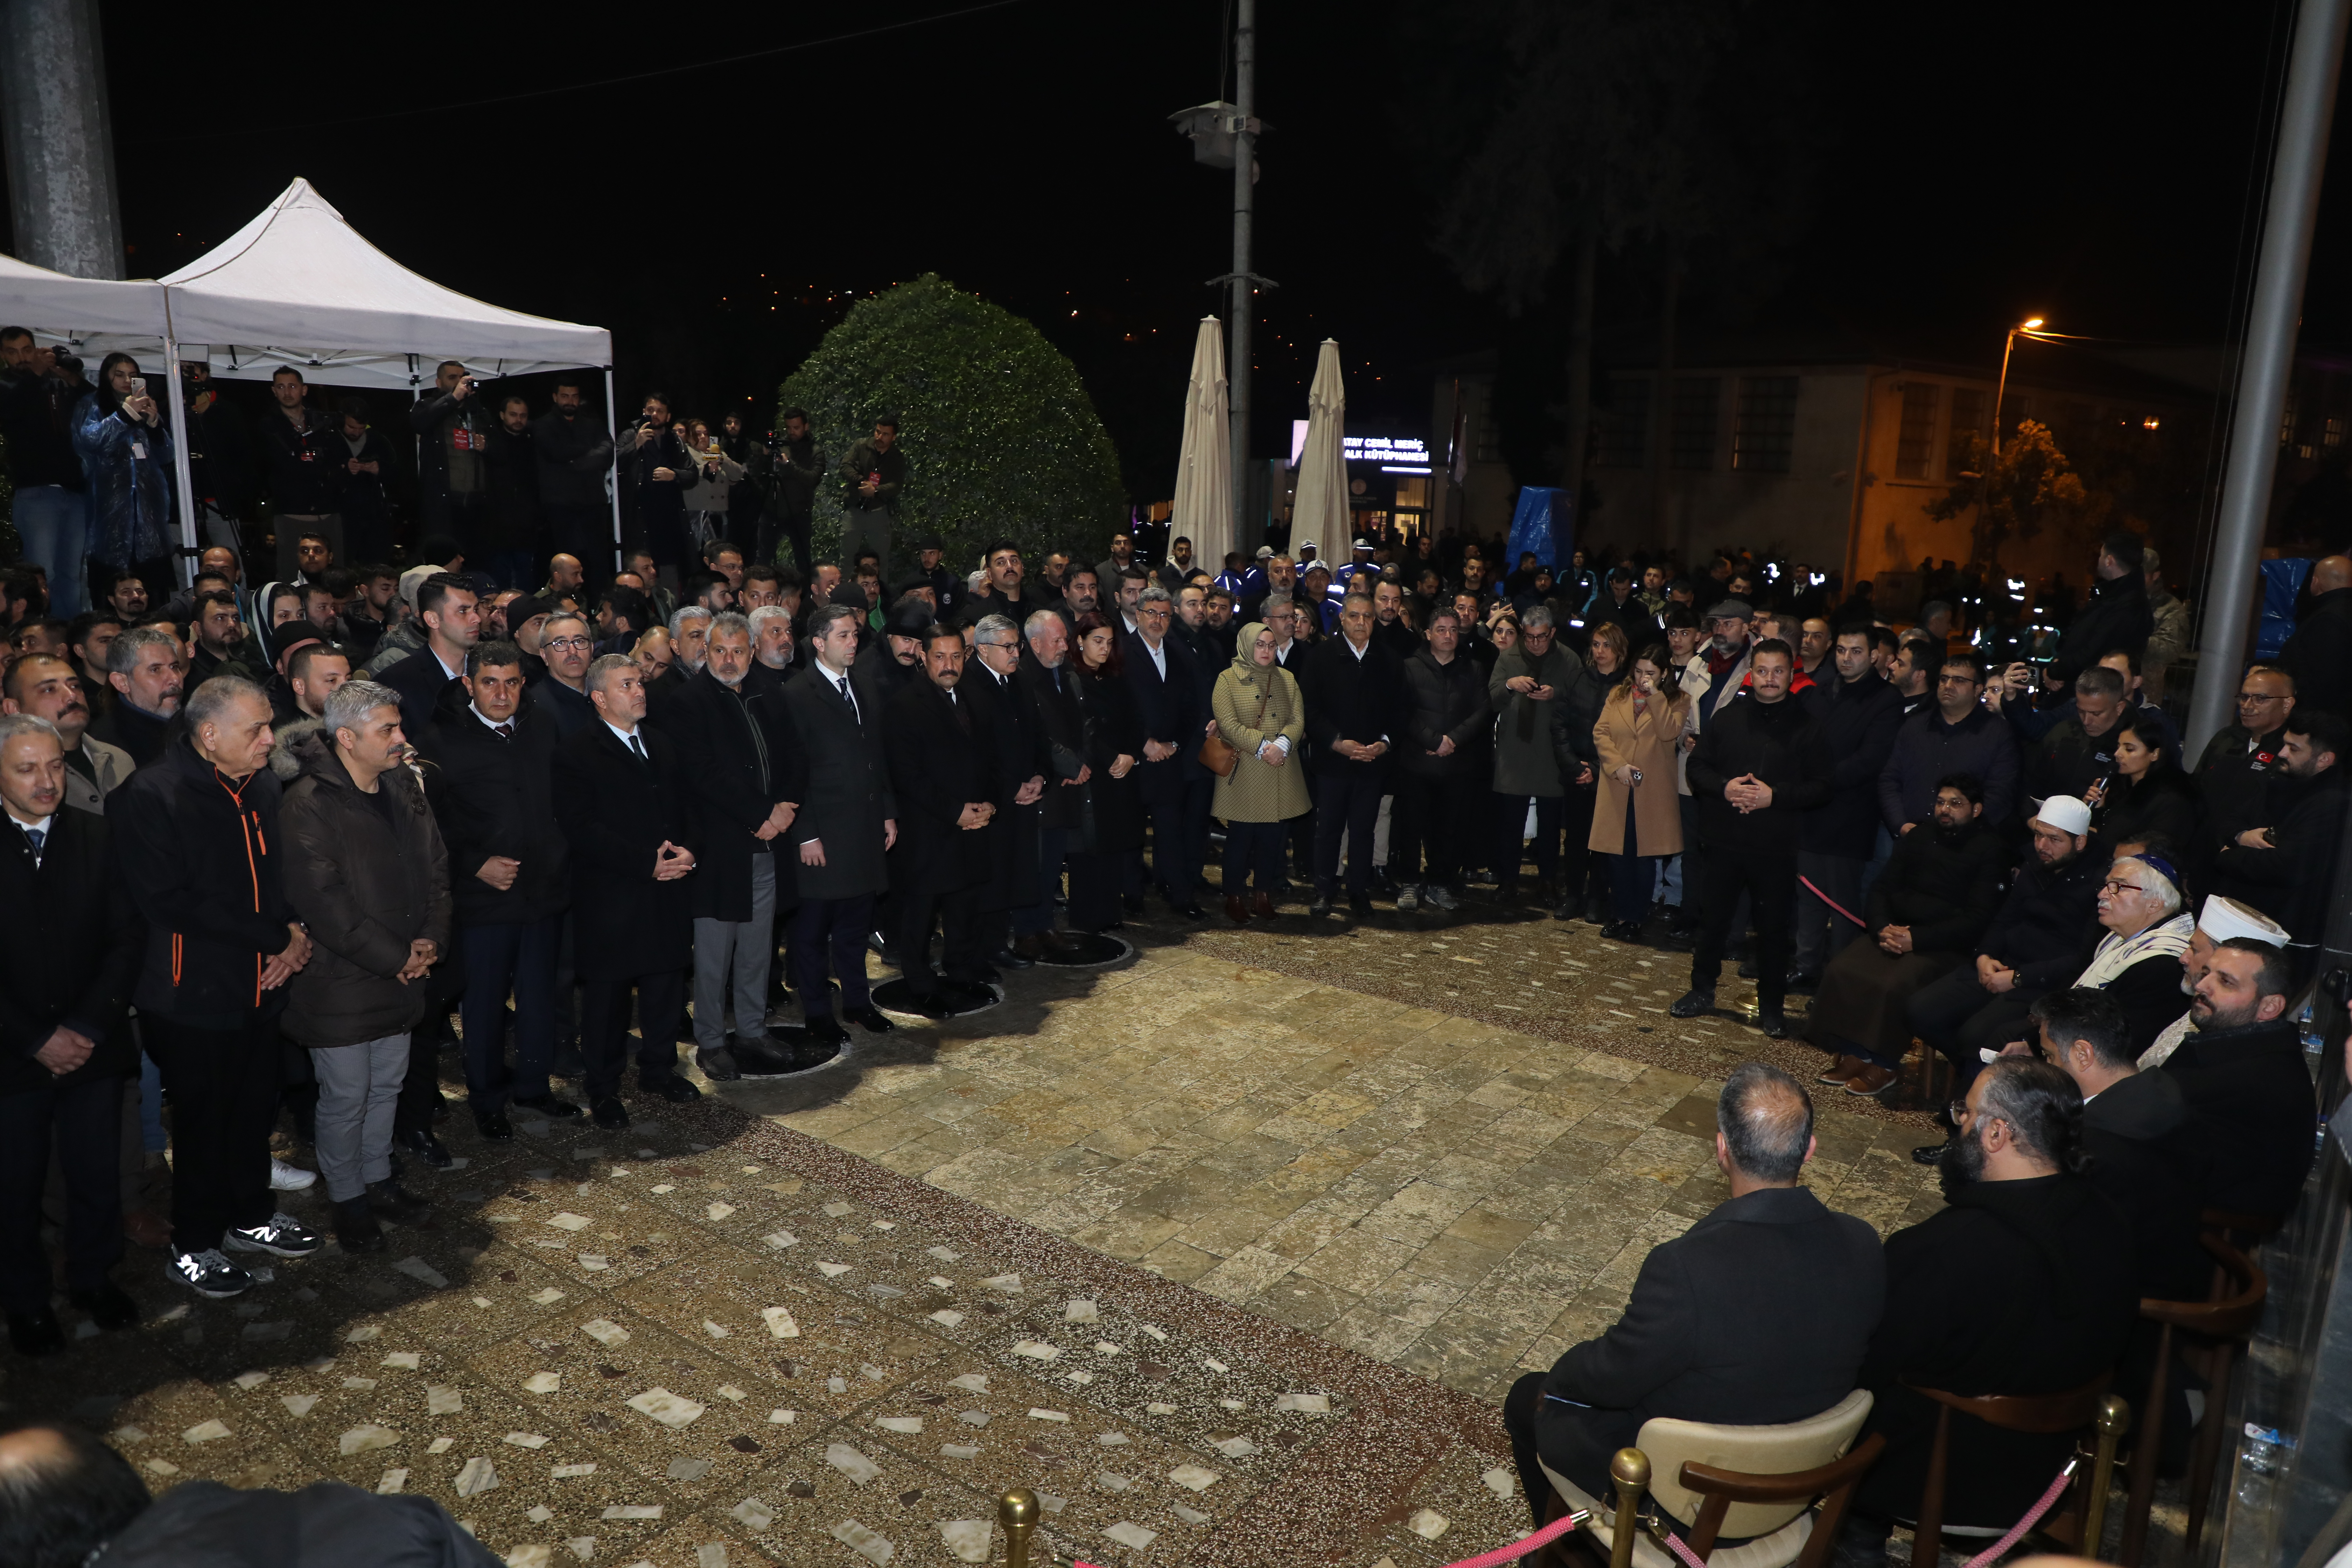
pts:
pixel 396 1202
pixel 827 1029
pixel 934 1007
pixel 808 1052
pixel 1774 1025
pixel 609 1112
pixel 1691 1004
pixel 674 1089
pixel 109 1306
pixel 426 1147
pixel 567 1061
pixel 1800 981
pixel 494 1126
pixel 873 1020
pixel 1930 1154
pixel 36 1333
pixel 356 1229
pixel 1360 903
pixel 546 1105
pixel 763 1058
pixel 1006 958
pixel 718 1067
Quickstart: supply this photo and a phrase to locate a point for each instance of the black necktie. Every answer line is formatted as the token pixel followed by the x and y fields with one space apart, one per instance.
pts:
pixel 505 731
pixel 638 747
pixel 849 697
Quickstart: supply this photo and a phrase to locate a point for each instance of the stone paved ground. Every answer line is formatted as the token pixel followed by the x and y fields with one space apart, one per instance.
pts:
pixel 1224 1192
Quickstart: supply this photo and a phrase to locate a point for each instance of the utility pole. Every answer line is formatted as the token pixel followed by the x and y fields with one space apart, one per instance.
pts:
pixel 2304 118
pixel 1245 286
pixel 59 137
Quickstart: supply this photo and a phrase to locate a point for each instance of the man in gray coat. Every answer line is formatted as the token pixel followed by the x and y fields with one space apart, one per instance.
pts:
pixel 369 877
pixel 1521 689
pixel 846 824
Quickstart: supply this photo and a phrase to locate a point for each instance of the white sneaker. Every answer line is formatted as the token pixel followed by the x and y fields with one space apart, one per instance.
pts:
pixel 286 1178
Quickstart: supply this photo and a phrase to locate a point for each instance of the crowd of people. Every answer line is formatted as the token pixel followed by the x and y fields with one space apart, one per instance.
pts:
pixel 279 834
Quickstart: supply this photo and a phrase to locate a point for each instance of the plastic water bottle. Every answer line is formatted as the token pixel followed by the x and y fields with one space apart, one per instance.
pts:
pixel 2258 1462
pixel 2312 1033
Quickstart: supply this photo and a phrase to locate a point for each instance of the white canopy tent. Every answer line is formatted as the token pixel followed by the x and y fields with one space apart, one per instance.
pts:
pixel 298 285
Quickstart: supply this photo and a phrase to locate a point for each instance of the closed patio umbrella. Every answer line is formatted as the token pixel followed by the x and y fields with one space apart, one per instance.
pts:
pixel 1203 511
pixel 1318 509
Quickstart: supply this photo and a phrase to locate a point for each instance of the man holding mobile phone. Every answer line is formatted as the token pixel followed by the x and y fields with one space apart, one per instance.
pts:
pixel 453 463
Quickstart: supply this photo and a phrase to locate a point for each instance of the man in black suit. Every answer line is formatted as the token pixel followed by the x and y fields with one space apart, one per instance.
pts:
pixel 452 616
pixel 748 774
pixel 2024 1283
pixel 844 831
pixel 1049 685
pixel 943 786
pixel 1758 1314
pixel 65 1038
pixel 1354 692
pixel 620 797
pixel 491 786
pixel 1014 744
pixel 1168 689
pixel 2241 1072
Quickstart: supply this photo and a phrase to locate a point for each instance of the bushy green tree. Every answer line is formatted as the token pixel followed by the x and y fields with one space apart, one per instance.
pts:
pixel 2029 488
pixel 1000 436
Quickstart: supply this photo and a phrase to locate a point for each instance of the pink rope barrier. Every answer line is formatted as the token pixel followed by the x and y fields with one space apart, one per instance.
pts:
pixel 1984 1558
pixel 1501 1554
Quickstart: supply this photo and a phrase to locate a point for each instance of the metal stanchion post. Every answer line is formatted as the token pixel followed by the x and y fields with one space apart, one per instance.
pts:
pixel 2114 1420
pixel 1630 1469
pixel 1016 1511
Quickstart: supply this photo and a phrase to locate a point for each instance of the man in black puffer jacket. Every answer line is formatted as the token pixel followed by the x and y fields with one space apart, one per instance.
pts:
pixel 204 856
pixel 2117 616
pixel 1758 767
pixel 1859 713
pixel 491 784
pixel 1441 769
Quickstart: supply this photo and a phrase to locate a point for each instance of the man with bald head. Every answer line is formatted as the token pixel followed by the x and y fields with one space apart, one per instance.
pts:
pixel 2319 653
pixel 1759 1313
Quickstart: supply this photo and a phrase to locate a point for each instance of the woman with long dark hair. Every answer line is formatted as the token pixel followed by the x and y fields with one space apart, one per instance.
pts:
pixel 126 456
pixel 1584 886
pixel 1110 824
pixel 1637 816
pixel 2147 793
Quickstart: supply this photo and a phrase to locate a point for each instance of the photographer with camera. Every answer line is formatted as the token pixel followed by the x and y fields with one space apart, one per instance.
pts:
pixel 872 475
pixel 453 465
pixel 126 457
pixel 38 392
pixel 657 471
pixel 794 472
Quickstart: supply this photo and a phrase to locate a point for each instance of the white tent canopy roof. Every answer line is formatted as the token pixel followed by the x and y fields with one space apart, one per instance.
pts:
pixel 300 286
pixel 57 305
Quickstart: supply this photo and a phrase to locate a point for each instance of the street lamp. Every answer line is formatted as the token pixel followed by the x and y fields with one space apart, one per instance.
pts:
pixel 2031 328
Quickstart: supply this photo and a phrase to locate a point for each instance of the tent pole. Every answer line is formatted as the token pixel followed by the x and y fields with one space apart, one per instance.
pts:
pixel 613 475
pixel 186 484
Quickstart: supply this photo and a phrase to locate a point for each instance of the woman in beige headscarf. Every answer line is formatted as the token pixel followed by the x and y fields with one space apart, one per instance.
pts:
pixel 1260 715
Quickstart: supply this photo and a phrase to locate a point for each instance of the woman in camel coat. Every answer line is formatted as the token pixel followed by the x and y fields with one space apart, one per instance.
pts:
pixel 1636 817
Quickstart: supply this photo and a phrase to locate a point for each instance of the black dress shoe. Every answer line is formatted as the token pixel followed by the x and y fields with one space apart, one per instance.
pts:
pixel 674 1089
pixel 1930 1154
pixel 1800 981
pixel 608 1111
pixel 494 1126
pixel 1774 1025
pixel 424 1146
pixel 758 1058
pixel 826 1029
pixel 396 1202
pixel 1006 958
pixel 1193 911
pixel 873 1020
pixel 935 1005
pixel 109 1306
pixel 356 1229
pixel 718 1067
pixel 36 1333
pixel 546 1105
pixel 1360 903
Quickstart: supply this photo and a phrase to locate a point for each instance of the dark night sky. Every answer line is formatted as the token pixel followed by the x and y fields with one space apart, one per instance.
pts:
pixel 1979 165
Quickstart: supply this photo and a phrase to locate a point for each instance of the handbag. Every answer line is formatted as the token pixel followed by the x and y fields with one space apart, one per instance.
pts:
pixel 1220 757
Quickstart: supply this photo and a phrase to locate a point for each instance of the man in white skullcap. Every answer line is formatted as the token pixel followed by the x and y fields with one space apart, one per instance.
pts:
pixel 2220 920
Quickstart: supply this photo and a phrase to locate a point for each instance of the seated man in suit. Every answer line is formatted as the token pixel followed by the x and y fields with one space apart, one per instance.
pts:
pixel 1759 1313
pixel 2025 1282
pixel 2243 1073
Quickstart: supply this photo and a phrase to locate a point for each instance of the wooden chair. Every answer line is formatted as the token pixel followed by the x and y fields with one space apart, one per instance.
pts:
pixel 2216 1329
pixel 1759 1482
pixel 2074 1411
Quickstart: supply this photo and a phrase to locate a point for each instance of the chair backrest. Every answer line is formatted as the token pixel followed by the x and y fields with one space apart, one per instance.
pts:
pixel 2068 1412
pixel 1783 1449
pixel 2228 1317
